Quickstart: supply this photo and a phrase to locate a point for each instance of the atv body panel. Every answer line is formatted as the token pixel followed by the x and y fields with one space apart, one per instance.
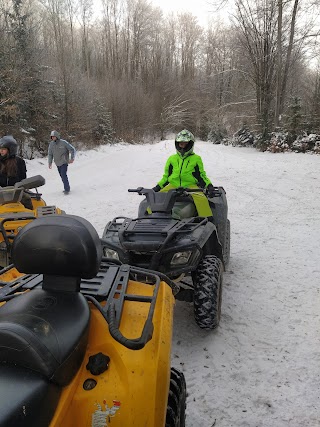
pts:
pixel 164 240
pixel 62 326
pixel 14 215
pixel 132 391
pixel 153 242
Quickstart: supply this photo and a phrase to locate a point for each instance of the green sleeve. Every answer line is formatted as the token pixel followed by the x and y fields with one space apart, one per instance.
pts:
pixel 164 180
pixel 203 172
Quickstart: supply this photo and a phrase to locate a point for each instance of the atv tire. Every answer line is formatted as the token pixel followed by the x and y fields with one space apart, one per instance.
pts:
pixel 176 409
pixel 207 281
pixel 226 249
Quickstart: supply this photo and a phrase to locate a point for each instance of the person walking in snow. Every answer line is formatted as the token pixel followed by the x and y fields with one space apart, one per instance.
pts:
pixel 62 153
pixel 185 169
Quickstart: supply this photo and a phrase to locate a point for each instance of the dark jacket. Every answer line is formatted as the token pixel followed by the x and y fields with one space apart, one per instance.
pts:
pixel 6 181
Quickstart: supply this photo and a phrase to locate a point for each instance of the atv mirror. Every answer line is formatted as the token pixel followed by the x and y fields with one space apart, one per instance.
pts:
pixel 32 182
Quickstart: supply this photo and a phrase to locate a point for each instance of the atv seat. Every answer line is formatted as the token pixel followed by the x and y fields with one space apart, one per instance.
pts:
pixel 39 331
pixel 46 330
pixel 27 399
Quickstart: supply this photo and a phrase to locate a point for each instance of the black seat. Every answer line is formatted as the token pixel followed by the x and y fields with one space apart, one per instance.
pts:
pixel 46 332
pixel 27 399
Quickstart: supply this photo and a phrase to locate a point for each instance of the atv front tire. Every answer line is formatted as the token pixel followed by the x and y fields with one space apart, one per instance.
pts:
pixel 207 281
pixel 176 410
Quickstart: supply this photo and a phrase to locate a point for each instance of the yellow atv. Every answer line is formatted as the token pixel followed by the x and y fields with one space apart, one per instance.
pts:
pixel 14 214
pixel 84 342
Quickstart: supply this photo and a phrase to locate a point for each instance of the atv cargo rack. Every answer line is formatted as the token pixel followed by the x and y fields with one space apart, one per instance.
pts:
pixel 110 285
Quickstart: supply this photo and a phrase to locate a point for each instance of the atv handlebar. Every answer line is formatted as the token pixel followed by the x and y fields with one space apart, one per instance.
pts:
pixel 32 182
pixel 179 190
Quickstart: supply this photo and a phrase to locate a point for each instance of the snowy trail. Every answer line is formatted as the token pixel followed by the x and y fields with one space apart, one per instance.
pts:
pixel 261 367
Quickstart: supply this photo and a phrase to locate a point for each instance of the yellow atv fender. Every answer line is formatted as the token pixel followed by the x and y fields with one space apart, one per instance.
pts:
pixel 134 389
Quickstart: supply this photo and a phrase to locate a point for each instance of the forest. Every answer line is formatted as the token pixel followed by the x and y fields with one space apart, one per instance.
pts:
pixel 133 74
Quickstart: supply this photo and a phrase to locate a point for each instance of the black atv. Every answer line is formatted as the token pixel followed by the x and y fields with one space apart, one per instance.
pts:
pixel 170 238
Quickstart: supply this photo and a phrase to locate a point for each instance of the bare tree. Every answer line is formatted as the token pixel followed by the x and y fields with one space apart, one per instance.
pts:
pixel 257 24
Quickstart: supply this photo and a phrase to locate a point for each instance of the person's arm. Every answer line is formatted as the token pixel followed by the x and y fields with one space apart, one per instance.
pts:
pixel 50 155
pixel 71 150
pixel 202 173
pixel 21 169
pixel 23 173
pixel 205 180
pixel 164 180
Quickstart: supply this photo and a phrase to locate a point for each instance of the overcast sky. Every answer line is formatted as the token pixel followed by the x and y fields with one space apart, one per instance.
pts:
pixel 199 8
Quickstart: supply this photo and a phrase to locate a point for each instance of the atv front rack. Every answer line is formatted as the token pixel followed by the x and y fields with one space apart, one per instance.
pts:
pixel 110 286
pixel 159 233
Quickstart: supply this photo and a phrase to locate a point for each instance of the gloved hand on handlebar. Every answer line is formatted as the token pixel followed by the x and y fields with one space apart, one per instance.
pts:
pixel 210 191
pixel 156 188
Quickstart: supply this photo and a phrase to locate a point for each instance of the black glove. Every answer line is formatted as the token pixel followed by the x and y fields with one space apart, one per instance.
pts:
pixel 156 188
pixel 210 191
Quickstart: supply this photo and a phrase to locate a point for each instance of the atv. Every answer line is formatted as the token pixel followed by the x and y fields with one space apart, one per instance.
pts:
pixel 170 238
pixel 14 215
pixel 84 342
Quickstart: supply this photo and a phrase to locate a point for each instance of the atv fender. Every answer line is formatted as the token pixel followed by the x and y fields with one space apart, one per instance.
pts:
pixel 213 246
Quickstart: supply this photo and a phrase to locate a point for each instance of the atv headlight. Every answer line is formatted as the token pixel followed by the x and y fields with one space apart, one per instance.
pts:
pixel 110 253
pixel 181 258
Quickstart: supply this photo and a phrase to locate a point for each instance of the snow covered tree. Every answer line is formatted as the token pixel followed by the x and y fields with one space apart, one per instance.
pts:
pixel 243 137
pixel 294 117
pixel 103 131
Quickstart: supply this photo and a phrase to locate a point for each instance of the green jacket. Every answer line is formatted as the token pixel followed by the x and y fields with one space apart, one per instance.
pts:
pixel 184 172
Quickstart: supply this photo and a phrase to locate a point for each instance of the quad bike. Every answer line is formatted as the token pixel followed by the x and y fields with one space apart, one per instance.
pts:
pixel 83 342
pixel 172 239
pixel 14 215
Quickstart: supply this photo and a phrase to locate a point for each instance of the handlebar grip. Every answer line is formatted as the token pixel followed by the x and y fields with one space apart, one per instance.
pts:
pixel 135 190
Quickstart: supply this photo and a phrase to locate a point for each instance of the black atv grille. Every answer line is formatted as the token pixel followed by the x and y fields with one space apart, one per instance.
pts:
pixel 150 227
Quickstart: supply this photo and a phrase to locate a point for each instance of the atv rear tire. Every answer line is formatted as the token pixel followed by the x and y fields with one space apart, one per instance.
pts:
pixel 207 281
pixel 226 249
pixel 176 410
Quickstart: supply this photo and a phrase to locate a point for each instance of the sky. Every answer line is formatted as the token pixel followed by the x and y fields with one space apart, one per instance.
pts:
pixel 204 10
pixel 199 8
pixel 261 366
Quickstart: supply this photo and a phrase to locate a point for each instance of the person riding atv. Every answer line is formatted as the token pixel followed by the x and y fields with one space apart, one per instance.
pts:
pixel 185 169
pixel 181 231
pixel 12 167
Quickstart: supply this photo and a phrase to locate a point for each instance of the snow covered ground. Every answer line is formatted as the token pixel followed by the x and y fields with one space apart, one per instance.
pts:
pixel 261 366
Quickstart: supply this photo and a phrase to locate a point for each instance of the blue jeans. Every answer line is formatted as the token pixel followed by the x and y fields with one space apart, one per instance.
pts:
pixel 63 173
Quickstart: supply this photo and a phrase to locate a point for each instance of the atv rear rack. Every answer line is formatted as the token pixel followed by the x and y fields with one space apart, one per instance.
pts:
pixel 110 286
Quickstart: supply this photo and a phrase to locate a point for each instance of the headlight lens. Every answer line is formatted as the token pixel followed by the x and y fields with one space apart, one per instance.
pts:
pixel 181 258
pixel 110 253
